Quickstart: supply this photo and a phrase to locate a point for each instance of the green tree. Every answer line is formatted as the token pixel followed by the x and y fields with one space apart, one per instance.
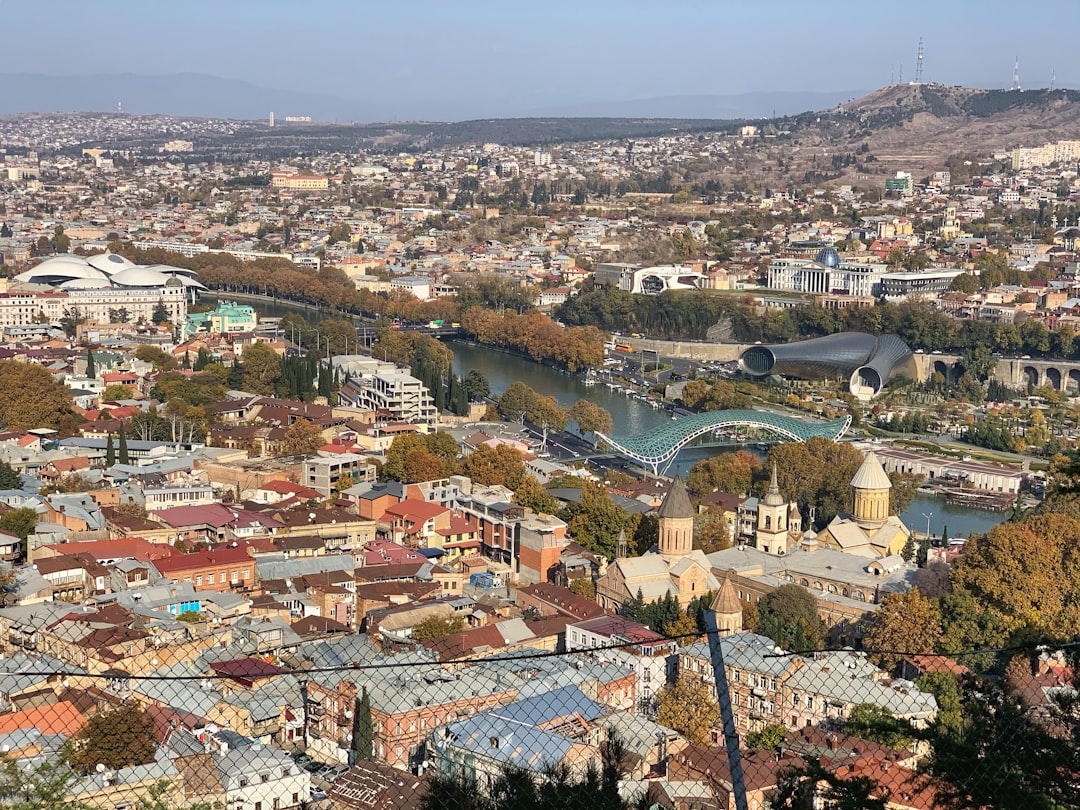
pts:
pixel 789 616
pixel 435 627
pixel 531 494
pixel 476 386
pixel 596 521
pixel 116 392
pixel 9 477
pixel 61 242
pixel 515 401
pixel 160 314
pixel 868 721
pixel 118 738
pixel 688 707
pixel 19 522
pixel 91 366
pixel 122 456
pixel 769 737
pixel 945 688
pixel 363 732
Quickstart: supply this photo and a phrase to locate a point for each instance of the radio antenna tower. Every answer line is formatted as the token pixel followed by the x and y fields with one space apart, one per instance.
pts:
pixel 918 63
pixel 1016 75
pixel 1053 79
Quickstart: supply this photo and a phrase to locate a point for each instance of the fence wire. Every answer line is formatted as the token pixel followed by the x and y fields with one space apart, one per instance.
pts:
pixel 604 715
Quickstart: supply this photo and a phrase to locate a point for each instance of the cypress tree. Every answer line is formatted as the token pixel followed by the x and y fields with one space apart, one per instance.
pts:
pixel 122 455
pixel 110 452
pixel 91 367
pixel 363 737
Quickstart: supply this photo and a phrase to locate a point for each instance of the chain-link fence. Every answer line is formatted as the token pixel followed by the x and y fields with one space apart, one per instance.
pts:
pixel 603 713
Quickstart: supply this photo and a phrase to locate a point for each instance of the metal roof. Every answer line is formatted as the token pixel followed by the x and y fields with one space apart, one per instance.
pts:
pixel 660 446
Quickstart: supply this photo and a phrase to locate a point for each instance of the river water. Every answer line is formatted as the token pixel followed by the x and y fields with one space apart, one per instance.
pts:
pixel 632 417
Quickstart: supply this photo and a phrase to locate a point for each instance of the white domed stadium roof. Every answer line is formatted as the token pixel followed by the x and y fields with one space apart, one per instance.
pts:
pixel 109 262
pixel 59 269
pixel 84 284
pixel 169 270
pixel 139 277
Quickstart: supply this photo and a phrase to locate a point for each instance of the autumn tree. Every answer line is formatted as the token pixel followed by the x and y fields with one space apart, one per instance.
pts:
pixel 906 622
pixel 301 437
pixel 583 586
pixel 727 472
pixel 412 458
pixel 590 417
pixel 501 464
pixel 1018 577
pixel 30 397
pixel 434 627
pixel 531 494
pixel 789 616
pixel 688 707
pixel 262 367
pixel 684 628
pixel 711 533
pixel 817 471
pixel 118 738
pixel 160 359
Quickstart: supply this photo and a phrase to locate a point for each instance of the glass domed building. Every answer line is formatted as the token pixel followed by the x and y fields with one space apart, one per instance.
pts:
pixel 828 257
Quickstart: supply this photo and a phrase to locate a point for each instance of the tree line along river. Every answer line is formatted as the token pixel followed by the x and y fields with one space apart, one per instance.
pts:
pixel 633 417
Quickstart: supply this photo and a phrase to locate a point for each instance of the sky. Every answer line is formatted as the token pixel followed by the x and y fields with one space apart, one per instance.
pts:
pixel 516 54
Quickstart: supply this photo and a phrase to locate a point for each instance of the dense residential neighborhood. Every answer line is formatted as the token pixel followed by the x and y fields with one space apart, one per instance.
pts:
pixel 258 526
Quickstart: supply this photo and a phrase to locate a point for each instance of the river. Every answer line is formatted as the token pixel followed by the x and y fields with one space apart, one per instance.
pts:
pixel 632 417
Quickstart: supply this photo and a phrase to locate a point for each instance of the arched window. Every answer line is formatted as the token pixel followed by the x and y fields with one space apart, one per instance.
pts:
pixel 768 521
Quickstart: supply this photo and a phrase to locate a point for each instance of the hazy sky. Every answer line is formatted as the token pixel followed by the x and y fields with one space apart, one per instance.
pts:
pixel 560 49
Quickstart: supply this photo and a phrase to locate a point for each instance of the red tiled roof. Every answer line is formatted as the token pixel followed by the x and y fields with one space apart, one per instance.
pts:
pixel 202 559
pixel 62 718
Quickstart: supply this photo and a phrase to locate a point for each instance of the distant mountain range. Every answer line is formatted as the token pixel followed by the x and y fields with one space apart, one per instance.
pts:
pixel 200 95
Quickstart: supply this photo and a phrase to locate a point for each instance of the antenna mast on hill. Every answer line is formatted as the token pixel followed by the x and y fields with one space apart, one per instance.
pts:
pixel 1016 75
pixel 1053 79
pixel 918 63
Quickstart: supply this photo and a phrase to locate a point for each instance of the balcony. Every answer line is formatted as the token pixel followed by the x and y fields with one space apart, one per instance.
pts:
pixel 316 710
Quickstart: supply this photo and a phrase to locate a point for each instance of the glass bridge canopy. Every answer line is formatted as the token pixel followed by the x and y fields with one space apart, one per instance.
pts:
pixel 659 447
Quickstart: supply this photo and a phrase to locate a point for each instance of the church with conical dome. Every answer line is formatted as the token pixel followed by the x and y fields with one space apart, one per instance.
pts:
pixel 870 529
pixel 673 567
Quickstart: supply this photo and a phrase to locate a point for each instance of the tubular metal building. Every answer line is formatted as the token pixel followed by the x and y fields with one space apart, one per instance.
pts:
pixel 866 361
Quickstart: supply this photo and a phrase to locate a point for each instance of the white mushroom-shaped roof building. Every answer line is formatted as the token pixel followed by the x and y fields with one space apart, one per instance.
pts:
pixel 68 271
pixel 109 263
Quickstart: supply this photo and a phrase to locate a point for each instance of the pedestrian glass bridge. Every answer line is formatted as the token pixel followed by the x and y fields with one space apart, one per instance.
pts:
pixel 659 447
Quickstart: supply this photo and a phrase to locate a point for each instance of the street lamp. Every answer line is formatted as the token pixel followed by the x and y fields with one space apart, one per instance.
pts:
pixel 927 516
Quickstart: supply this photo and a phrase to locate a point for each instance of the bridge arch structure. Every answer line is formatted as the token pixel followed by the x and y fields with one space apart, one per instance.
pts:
pixel 658 448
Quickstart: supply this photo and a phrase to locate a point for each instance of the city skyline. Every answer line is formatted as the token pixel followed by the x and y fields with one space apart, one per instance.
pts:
pixel 481 59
